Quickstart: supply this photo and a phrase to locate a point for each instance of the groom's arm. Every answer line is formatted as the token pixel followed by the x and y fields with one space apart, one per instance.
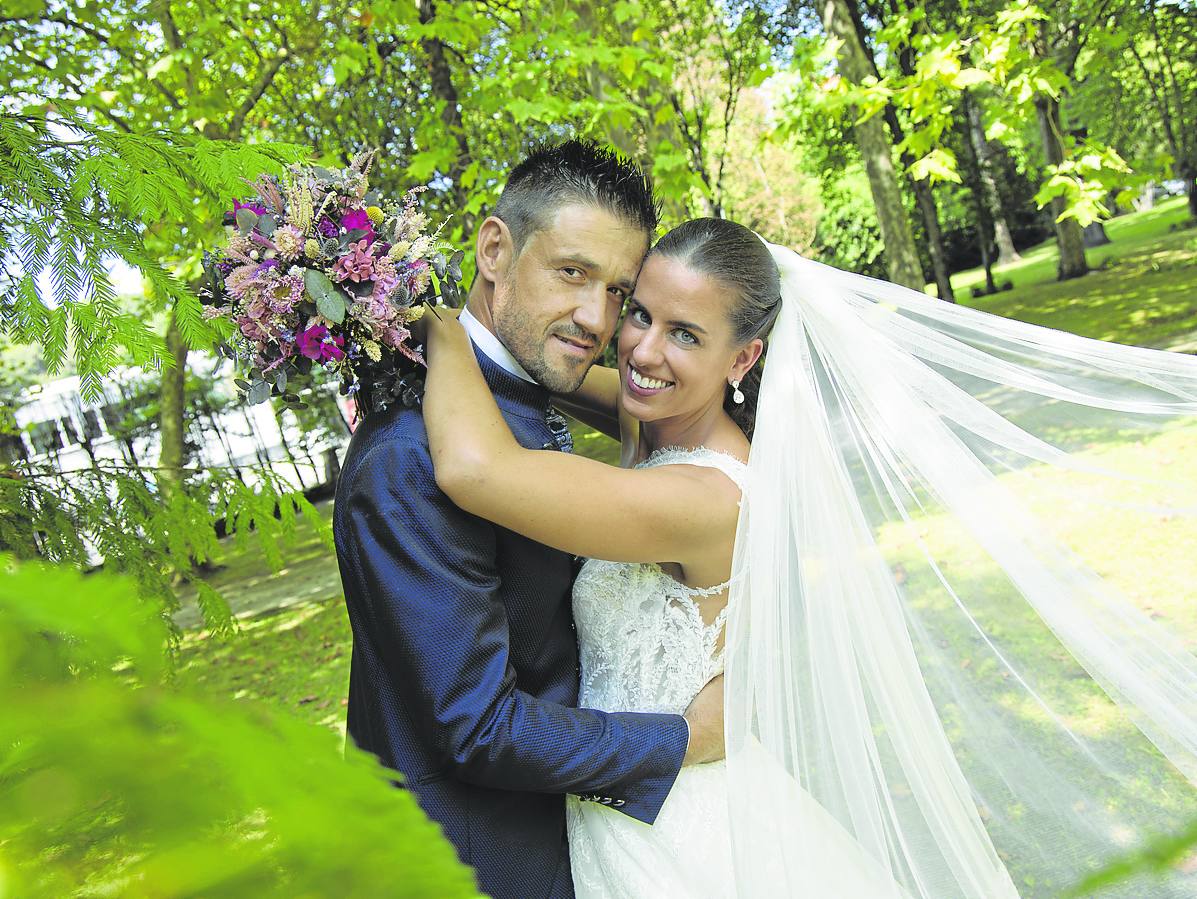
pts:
pixel 429 570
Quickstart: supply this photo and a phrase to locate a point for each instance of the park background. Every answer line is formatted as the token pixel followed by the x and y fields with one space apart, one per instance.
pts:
pixel 174 717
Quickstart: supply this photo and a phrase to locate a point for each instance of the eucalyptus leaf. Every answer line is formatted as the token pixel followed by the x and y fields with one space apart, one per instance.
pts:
pixel 438 264
pixel 242 383
pixel 246 219
pixel 329 301
pixel 355 235
pixel 266 225
pixel 454 269
pixel 258 393
pixel 280 380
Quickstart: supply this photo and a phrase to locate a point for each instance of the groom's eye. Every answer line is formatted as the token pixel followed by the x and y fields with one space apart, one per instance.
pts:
pixel 572 272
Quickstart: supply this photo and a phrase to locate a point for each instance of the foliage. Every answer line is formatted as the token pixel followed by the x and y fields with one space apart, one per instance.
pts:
pixel 1158 855
pixel 115 512
pixel 74 195
pixel 848 236
pixel 139 788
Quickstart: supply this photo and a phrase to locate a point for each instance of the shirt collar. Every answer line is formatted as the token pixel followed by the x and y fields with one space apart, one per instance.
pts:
pixel 492 347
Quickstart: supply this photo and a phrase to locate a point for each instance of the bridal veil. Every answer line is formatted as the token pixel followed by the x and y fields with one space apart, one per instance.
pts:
pixel 937 685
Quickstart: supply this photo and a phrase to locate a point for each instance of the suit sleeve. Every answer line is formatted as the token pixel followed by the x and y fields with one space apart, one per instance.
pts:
pixel 429 571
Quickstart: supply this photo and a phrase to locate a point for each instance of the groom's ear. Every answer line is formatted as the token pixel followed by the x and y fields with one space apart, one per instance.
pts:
pixel 494 250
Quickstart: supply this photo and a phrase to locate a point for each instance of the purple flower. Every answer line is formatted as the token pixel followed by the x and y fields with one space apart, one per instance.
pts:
pixel 357 219
pixel 320 346
pixel 267 264
pixel 251 206
pixel 327 227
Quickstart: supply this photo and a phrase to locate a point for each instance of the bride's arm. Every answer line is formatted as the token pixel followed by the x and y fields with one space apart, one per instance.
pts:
pixel 674 513
pixel 596 402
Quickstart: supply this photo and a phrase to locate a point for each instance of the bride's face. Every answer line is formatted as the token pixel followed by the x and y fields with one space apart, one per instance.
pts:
pixel 676 350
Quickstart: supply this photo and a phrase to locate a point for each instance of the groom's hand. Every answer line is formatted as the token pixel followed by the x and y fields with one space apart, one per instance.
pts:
pixel 705 717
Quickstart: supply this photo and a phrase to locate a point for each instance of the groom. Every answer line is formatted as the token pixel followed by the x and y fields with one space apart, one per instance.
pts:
pixel 465 660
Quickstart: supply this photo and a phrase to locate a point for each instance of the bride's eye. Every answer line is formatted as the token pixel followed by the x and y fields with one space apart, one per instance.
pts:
pixel 685 337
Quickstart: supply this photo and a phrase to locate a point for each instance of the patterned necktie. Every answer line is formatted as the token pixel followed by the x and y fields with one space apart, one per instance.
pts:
pixel 562 438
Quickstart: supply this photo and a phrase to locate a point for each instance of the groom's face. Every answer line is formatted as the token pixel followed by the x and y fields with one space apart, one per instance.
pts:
pixel 556 304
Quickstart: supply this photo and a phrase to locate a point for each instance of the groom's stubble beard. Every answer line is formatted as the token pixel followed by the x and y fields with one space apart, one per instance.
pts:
pixel 525 338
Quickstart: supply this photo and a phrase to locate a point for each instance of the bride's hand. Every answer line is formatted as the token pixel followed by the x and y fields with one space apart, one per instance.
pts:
pixel 705 717
pixel 434 323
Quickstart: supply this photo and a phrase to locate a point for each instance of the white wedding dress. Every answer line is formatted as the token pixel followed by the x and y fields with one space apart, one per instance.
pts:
pixel 645 648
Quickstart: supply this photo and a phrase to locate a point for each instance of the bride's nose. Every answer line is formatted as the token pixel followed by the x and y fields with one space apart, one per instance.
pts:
pixel 647 353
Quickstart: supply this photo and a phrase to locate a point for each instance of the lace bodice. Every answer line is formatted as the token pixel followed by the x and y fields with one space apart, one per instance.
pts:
pixel 643 643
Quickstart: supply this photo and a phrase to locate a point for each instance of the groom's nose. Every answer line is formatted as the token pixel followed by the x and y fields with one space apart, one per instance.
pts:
pixel 595 311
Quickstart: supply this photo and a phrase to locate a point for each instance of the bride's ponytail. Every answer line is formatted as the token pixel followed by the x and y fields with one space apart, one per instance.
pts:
pixel 737 258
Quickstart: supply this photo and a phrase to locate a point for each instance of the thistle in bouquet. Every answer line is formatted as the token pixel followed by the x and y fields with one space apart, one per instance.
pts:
pixel 320 270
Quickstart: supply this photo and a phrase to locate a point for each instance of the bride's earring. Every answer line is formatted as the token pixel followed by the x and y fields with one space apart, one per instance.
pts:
pixel 738 396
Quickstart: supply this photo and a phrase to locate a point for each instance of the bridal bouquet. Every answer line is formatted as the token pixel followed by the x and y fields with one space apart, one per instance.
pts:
pixel 321 270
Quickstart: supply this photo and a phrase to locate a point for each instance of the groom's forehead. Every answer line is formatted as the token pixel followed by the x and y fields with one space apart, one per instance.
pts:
pixel 594 236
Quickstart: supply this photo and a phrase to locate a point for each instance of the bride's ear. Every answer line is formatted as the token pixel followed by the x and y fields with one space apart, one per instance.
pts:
pixel 746 358
pixel 494 249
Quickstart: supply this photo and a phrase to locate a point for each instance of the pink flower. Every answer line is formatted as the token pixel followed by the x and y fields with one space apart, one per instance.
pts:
pixel 357 265
pixel 320 346
pixel 356 219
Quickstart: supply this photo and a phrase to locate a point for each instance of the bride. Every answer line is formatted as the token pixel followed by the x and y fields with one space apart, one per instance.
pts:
pixel 930 692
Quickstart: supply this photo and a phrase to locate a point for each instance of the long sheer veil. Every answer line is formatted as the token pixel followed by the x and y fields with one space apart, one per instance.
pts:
pixel 937 685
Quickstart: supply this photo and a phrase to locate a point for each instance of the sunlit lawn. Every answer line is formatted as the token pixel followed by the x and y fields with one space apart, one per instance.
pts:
pixel 1143 289
pixel 298 657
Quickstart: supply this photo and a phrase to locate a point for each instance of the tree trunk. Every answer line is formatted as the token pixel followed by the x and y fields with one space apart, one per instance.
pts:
pixel 1094 235
pixel 985 163
pixel 171 402
pixel 441 77
pixel 901 255
pixel 924 194
pixel 925 197
pixel 1191 189
pixel 979 199
pixel 1072 262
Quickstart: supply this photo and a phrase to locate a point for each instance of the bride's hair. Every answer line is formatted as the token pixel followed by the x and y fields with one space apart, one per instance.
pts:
pixel 735 257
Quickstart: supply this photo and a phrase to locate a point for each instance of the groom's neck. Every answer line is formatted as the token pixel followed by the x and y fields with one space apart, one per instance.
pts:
pixel 478 302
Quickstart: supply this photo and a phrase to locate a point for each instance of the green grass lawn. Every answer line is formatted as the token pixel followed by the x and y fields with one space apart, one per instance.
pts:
pixel 1143 289
pixel 297 657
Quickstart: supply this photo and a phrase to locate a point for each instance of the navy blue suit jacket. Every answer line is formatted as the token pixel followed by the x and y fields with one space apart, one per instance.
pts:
pixel 465 662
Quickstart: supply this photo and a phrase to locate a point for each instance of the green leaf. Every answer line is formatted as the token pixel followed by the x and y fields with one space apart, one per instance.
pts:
pixel 329 300
pixel 246 219
pixel 937 165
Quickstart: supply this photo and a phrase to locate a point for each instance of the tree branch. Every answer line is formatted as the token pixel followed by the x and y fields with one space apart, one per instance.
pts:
pixel 265 77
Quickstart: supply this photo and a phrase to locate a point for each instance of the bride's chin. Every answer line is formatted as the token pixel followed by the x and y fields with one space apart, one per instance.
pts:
pixel 636 408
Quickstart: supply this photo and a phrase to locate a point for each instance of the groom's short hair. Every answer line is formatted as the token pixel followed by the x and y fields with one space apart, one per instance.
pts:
pixel 575 171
